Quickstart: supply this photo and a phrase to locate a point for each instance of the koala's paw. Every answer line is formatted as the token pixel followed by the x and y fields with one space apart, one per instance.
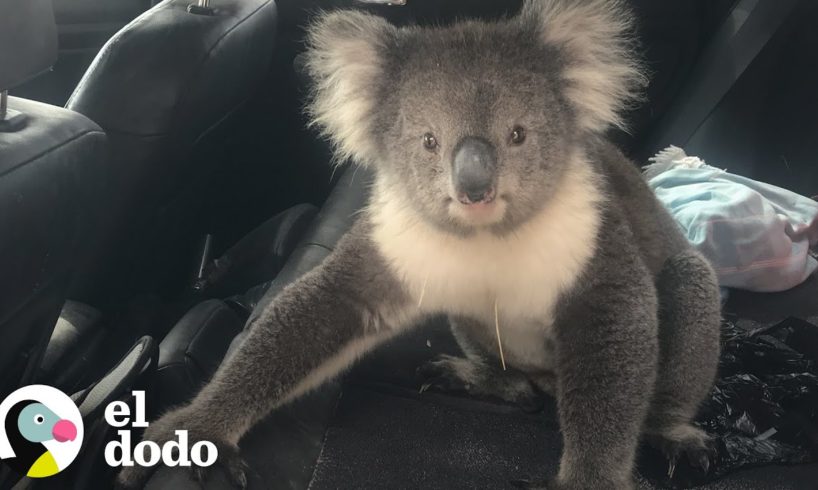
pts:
pixel 685 441
pixel 163 430
pixel 459 374
pixel 230 459
pixel 447 373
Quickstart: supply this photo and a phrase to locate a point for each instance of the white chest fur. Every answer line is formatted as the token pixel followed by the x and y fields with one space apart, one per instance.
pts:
pixel 524 272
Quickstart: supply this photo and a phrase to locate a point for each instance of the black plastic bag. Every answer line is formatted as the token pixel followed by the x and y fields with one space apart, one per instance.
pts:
pixel 763 408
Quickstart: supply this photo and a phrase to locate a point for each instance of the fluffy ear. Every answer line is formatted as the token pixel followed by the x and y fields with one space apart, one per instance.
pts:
pixel 596 36
pixel 345 61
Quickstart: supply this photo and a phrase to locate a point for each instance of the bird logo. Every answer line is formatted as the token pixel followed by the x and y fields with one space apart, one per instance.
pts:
pixel 41 431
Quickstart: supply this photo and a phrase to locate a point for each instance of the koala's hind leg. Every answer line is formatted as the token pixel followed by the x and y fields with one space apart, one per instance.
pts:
pixel 479 372
pixel 689 329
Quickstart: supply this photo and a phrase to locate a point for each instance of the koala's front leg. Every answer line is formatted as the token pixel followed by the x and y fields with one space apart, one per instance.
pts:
pixel 607 357
pixel 314 329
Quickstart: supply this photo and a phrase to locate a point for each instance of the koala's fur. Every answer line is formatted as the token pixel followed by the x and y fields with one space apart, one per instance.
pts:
pixel 600 299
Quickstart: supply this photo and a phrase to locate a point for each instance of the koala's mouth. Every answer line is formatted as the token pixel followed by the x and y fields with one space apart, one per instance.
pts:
pixel 482 197
pixel 487 210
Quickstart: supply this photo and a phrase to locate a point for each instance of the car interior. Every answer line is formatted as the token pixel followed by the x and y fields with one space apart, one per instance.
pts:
pixel 159 184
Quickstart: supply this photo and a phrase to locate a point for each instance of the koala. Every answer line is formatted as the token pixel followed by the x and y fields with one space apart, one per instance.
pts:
pixel 496 201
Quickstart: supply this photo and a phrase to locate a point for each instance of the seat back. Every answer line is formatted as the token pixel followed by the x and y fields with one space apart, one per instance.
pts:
pixel 48 174
pixel 164 89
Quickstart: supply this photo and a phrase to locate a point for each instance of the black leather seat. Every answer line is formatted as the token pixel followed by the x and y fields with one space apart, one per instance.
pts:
pixel 51 170
pixel 164 88
pixel 195 347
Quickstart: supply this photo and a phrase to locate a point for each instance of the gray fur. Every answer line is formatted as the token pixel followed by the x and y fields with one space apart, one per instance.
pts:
pixel 631 343
pixel 350 298
pixel 480 373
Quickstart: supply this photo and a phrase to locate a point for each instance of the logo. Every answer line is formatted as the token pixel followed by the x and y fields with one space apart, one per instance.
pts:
pixel 148 453
pixel 40 431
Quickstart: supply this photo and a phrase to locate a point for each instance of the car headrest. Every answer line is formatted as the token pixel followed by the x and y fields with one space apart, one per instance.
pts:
pixel 172 72
pixel 28 40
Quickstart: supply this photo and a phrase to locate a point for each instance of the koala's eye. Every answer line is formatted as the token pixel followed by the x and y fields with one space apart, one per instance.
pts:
pixel 517 135
pixel 39 419
pixel 429 141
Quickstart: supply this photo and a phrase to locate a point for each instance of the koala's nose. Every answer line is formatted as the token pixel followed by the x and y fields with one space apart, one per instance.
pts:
pixel 474 170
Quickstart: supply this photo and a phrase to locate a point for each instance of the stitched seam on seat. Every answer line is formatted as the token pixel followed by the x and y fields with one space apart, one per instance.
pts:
pixel 317 460
pixel 209 56
pixel 177 365
pixel 49 283
pixel 289 222
pixel 328 249
pixel 115 39
pixel 219 307
pixel 53 148
pixel 164 134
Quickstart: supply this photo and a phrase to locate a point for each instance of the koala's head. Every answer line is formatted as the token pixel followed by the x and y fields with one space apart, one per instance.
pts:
pixel 473 125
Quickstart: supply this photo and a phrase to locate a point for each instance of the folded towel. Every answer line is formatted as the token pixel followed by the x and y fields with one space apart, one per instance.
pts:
pixel 756 235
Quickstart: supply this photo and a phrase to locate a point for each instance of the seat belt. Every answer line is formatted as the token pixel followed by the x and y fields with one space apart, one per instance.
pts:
pixel 748 28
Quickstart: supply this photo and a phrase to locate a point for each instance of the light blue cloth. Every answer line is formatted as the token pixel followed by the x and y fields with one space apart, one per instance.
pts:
pixel 756 235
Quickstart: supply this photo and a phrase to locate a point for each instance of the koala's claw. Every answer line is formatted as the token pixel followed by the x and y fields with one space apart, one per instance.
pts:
pixel 700 456
pixel 232 462
pixel 440 383
pixel 438 374
pixel 703 461
pixel 671 466
pixel 695 446
pixel 697 457
pixel 236 467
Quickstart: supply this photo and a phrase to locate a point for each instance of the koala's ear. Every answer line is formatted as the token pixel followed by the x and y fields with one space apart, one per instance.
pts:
pixel 603 76
pixel 345 59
